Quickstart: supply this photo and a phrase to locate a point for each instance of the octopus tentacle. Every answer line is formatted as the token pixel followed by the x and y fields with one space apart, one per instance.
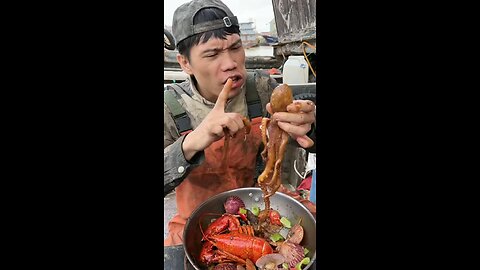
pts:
pixel 225 148
pixel 265 123
pixel 248 127
pixel 277 181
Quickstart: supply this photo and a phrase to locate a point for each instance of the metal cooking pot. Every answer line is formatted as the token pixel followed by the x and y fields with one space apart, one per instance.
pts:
pixel 284 204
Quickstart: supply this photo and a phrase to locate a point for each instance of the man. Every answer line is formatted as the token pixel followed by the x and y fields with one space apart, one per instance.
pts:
pixel 214 99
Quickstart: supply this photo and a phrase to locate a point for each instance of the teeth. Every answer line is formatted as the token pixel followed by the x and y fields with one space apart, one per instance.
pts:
pixel 234 79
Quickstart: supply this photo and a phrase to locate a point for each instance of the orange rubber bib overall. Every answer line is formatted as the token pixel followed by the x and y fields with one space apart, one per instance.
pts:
pixel 211 178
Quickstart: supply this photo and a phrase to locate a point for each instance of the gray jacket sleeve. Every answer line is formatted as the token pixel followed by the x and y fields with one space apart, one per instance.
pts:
pixel 176 167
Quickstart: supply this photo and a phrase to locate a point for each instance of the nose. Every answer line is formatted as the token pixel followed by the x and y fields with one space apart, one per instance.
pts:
pixel 228 62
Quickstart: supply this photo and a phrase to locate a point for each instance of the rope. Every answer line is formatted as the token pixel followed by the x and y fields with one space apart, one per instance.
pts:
pixel 306 58
pixel 295 168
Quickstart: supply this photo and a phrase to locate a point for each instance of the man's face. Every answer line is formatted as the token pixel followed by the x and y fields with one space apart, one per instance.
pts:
pixel 213 62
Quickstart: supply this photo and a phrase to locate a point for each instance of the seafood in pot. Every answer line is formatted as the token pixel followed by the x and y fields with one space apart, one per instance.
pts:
pixel 227 244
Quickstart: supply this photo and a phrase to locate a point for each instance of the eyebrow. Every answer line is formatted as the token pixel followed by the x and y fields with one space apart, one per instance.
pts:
pixel 239 41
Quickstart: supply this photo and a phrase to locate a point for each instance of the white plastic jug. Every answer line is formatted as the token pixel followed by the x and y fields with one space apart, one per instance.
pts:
pixel 295 70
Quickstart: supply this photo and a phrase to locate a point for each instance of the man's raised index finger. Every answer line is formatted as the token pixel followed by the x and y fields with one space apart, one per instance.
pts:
pixel 223 96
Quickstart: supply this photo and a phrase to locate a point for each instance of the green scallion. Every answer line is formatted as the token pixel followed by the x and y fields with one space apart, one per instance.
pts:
pixel 286 223
pixel 255 210
pixel 305 261
pixel 276 237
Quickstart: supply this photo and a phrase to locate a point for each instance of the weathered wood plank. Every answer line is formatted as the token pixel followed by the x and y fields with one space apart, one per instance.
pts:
pixel 294 19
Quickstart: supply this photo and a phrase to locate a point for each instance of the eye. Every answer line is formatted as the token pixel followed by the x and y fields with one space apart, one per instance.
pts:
pixel 210 55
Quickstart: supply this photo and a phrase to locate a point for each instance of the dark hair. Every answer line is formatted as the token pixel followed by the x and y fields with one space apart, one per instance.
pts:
pixel 205 15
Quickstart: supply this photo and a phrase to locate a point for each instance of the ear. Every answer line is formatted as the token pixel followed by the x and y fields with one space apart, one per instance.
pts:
pixel 184 64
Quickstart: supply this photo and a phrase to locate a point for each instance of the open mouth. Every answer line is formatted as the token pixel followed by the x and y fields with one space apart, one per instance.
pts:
pixel 234 79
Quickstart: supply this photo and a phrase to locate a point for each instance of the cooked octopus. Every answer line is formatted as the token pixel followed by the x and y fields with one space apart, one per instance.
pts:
pixel 275 141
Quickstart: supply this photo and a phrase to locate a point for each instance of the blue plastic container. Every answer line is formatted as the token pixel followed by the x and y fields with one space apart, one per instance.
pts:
pixel 313 188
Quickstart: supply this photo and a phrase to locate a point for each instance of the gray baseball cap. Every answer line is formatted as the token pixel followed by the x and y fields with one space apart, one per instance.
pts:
pixel 182 26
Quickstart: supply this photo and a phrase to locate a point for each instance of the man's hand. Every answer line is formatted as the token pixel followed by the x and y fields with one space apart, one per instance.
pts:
pixel 297 121
pixel 213 127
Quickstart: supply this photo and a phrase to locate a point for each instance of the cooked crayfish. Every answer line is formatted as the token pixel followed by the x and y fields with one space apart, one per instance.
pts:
pixel 220 225
pixel 237 245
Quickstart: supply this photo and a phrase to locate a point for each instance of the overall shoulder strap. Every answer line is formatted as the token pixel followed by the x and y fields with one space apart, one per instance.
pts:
pixel 182 121
pixel 253 100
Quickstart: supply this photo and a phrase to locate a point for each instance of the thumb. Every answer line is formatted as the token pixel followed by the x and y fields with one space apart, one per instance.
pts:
pixel 305 142
pixel 269 109
pixel 223 96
